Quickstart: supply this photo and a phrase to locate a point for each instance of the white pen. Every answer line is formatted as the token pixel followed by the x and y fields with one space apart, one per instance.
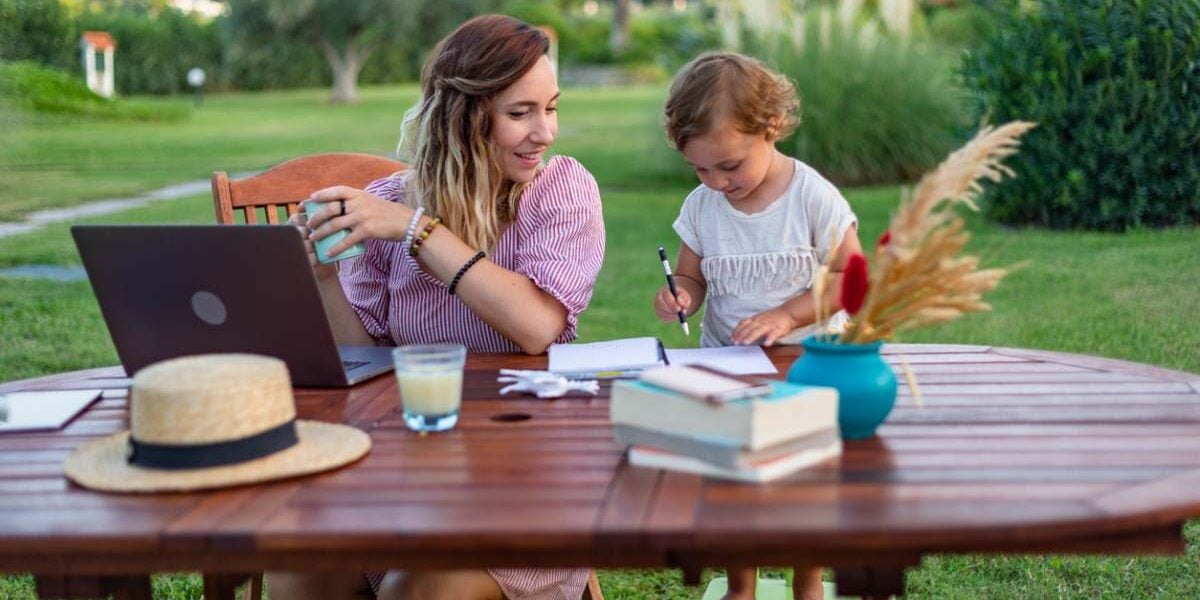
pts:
pixel 662 254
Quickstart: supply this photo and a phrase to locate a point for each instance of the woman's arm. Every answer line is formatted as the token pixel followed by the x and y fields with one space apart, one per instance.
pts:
pixel 347 328
pixel 507 301
pixel 800 311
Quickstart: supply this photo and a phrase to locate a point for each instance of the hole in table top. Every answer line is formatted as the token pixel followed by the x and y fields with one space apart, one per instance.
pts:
pixel 511 417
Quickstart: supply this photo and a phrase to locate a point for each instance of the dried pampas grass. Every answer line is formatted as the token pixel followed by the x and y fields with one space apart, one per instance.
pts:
pixel 917 277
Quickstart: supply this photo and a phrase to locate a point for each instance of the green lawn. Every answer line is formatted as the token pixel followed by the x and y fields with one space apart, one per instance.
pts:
pixel 1126 296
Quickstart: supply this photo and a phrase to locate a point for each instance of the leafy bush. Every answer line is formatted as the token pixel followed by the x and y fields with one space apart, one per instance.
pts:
pixel 874 109
pixel 669 38
pixel 43 90
pixel 36 30
pixel 960 26
pixel 1115 85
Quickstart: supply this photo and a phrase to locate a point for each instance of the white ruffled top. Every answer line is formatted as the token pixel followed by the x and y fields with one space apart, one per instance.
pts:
pixel 755 262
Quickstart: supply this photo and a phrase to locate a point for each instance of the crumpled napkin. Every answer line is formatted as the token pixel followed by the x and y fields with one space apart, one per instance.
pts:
pixel 544 384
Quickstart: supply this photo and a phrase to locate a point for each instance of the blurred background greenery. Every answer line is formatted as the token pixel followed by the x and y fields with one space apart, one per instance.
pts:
pixel 887 88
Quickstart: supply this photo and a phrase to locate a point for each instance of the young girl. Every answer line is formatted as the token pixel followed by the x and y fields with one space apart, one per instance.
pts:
pixel 757 228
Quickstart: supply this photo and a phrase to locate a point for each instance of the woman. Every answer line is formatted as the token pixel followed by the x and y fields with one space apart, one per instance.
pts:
pixel 478 243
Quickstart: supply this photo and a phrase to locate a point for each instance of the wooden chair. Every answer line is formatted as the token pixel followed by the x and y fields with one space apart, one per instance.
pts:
pixel 592 591
pixel 283 186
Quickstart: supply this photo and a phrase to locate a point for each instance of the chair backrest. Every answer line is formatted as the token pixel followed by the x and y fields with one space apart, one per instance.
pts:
pixel 285 185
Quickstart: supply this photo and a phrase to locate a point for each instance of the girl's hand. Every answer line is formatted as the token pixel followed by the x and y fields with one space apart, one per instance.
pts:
pixel 367 216
pixel 667 306
pixel 321 271
pixel 767 326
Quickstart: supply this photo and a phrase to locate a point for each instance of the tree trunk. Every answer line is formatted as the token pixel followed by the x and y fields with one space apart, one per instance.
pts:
pixel 618 40
pixel 345 65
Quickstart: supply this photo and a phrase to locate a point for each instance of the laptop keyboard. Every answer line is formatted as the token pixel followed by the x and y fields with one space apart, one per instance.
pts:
pixel 350 365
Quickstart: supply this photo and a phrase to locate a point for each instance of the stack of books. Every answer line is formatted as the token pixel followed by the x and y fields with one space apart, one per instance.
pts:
pixel 708 423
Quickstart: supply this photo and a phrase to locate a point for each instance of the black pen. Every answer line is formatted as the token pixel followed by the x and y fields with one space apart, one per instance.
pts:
pixel 662 254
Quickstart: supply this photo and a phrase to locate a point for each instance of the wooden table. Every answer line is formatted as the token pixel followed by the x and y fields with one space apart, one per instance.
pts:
pixel 1013 451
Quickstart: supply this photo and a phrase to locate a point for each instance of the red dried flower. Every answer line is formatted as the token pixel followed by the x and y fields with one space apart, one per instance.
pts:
pixel 855 283
pixel 884 239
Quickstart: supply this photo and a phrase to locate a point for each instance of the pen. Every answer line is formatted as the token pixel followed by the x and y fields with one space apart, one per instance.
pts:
pixel 662 254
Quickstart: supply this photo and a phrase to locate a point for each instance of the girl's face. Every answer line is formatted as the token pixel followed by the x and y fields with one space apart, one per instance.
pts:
pixel 525 121
pixel 729 161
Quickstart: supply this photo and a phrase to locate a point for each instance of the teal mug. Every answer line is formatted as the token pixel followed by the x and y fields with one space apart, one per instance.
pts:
pixel 312 209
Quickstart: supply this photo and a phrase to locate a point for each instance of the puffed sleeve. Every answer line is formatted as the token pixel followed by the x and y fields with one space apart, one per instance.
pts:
pixel 560 232
pixel 365 278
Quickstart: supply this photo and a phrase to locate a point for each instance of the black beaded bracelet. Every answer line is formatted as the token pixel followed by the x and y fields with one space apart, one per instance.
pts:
pixel 467 265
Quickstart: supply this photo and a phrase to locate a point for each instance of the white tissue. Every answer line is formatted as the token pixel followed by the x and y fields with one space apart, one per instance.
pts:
pixel 544 384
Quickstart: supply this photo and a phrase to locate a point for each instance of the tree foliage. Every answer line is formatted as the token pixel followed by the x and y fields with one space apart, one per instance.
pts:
pixel 347 34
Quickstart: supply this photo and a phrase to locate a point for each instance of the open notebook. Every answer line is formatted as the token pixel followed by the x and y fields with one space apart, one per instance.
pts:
pixel 628 357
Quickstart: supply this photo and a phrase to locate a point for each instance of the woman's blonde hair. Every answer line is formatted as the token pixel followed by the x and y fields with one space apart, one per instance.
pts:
pixel 725 84
pixel 455 170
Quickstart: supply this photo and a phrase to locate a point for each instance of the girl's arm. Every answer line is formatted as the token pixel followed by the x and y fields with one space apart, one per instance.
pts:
pixel 688 276
pixel 690 283
pixel 800 311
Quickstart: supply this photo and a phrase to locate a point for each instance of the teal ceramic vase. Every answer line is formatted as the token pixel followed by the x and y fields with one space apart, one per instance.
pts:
pixel 866 385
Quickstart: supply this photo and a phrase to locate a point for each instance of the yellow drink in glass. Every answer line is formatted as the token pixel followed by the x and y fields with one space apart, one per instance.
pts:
pixel 430 378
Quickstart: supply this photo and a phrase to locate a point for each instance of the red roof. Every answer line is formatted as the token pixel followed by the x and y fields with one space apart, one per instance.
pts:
pixel 100 40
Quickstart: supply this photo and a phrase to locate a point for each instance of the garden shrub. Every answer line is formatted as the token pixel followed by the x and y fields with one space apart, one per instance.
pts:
pixel 30 86
pixel 873 109
pixel 37 30
pixel 1115 87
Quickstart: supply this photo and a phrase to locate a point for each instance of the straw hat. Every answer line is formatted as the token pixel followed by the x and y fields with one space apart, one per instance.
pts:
pixel 210 421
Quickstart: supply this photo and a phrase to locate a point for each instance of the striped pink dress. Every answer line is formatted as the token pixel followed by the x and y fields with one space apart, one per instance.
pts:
pixel 557 241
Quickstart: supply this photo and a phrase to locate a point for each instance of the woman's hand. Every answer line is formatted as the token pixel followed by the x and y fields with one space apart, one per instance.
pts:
pixel 365 215
pixel 767 326
pixel 321 271
pixel 667 306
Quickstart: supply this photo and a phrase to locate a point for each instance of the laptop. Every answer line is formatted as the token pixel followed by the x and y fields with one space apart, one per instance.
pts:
pixel 173 290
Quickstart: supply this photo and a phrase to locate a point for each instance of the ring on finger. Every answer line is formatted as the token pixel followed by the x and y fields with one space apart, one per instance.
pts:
pixel 342 204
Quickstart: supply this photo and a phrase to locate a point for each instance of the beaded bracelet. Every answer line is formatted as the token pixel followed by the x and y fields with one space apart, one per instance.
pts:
pixel 467 265
pixel 415 249
pixel 412 227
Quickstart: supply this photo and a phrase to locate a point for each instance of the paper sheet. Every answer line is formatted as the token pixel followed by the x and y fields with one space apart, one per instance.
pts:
pixel 627 354
pixel 739 360
pixel 43 411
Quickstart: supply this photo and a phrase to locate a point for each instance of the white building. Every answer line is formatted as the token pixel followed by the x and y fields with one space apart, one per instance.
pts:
pixel 98 46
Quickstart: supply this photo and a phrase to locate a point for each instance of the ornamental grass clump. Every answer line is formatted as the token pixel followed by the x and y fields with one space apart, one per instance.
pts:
pixel 918 277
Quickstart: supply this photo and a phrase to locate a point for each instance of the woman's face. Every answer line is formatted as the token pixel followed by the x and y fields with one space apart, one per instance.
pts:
pixel 525 121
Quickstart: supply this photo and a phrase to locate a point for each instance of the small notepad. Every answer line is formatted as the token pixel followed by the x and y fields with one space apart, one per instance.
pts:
pixel 44 411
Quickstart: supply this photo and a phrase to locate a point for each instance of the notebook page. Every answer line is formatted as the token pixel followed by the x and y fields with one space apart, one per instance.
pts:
pixel 739 360
pixel 628 354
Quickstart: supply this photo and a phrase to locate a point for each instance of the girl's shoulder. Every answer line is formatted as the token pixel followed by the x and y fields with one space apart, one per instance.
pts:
pixel 808 184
